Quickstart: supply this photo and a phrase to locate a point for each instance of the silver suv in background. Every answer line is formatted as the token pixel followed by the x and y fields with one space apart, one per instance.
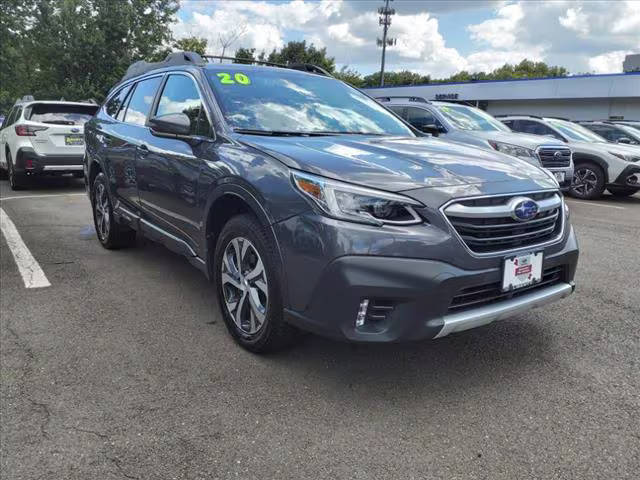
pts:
pixel 472 126
pixel 599 165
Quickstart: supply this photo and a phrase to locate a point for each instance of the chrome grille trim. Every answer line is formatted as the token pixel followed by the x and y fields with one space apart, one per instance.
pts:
pixel 534 229
pixel 546 154
pixel 497 211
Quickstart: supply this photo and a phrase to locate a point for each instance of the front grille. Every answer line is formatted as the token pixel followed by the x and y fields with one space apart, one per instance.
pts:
pixel 554 157
pixel 486 225
pixel 473 297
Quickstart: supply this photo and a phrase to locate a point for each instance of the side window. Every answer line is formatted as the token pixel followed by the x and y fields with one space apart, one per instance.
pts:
pixel 117 102
pixel 180 95
pixel 141 101
pixel 7 119
pixel 509 123
pixel 418 117
pixel 400 111
pixel 16 115
pixel 535 128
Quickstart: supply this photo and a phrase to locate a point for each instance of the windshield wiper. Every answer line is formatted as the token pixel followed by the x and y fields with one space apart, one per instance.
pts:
pixel 277 133
pixel 285 133
pixel 59 122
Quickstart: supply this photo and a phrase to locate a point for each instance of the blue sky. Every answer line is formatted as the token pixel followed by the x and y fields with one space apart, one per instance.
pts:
pixel 434 37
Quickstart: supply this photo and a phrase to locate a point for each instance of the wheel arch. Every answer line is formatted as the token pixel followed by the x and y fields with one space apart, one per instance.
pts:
pixel 229 200
pixel 579 158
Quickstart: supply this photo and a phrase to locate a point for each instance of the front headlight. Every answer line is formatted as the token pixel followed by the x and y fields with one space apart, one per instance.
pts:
pixel 515 150
pixel 357 204
pixel 622 156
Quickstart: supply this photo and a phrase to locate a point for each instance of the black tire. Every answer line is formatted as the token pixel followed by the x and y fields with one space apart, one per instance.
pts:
pixel 273 333
pixel 622 191
pixel 588 181
pixel 110 233
pixel 16 181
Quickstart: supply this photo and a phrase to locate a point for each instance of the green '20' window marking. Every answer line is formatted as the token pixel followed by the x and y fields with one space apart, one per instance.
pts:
pixel 240 78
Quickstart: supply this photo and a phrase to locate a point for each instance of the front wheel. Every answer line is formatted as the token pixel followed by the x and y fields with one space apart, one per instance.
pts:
pixel 111 234
pixel 249 286
pixel 588 182
pixel 622 191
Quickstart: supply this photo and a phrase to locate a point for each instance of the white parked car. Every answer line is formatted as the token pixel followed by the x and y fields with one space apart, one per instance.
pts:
pixel 42 138
pixel 599 165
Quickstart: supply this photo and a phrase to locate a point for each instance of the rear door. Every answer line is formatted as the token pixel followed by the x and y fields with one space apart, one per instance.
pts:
pixel 169 168
pixel 4 134
pixel 62 128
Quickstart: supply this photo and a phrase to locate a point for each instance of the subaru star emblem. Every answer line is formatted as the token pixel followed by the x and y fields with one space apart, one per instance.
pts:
pixel 75 130
pixel 524 209
pixel 557 155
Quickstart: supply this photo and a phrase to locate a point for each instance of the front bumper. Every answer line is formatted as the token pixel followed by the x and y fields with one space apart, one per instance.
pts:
pixel 630 177
pixel 28 162
pixel 411 299
pixel 568 176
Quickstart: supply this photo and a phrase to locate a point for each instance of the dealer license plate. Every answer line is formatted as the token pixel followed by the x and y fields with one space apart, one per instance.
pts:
pixel 522 271
pixel 73 140
pixel 559 176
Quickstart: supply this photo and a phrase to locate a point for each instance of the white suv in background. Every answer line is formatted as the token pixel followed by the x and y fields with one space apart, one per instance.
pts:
pixel 43 137
pixel 599 165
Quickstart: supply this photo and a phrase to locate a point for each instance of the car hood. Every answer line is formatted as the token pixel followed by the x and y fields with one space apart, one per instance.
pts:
pixel 400 163
pixel 520 139
pixel 604 148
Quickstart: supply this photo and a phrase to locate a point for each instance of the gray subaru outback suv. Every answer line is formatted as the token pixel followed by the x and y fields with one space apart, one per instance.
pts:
pixel 313 207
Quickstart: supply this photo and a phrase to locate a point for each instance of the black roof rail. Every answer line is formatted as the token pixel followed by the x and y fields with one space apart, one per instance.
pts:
pixel 305 67
pixel 408 97
pixel 173 59
pixel 517 115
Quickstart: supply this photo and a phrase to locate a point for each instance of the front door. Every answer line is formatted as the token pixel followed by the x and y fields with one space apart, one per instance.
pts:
pixel 169 169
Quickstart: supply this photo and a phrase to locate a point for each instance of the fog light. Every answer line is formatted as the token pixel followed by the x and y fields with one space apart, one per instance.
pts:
pixel 362 312
pixel 633 179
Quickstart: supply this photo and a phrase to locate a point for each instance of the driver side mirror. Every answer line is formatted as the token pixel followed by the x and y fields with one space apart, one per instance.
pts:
pixel 624 140
pixel 431 128
pixel 171 125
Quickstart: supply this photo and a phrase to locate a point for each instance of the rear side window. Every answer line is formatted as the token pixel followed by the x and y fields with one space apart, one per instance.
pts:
pixel 61 114
pixel 180 95
pixel 141 101
pixel 419 117
pixel 535 128
pixel 7 120
pixel 400 111
pixel 116 104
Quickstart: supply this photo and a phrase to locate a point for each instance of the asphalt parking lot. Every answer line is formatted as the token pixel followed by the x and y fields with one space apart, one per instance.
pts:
pixel 121 368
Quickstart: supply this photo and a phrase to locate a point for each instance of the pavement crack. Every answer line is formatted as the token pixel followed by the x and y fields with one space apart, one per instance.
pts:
pixel 116 462
pixel 92 432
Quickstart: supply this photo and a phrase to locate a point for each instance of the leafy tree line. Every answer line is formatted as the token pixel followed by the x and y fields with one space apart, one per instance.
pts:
pixel 78 49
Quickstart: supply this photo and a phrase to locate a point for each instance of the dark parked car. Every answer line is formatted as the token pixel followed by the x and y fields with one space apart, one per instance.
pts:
pixel 313 207
pixel 614 132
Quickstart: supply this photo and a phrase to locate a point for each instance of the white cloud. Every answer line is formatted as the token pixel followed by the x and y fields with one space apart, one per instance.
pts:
pixel 575 20
pixel 608 62
pixel 500 32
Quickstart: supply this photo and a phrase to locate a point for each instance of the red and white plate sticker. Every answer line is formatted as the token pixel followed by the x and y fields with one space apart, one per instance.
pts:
pixel 522 271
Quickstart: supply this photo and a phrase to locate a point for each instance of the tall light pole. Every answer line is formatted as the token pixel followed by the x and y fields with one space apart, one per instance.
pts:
pixel 385 20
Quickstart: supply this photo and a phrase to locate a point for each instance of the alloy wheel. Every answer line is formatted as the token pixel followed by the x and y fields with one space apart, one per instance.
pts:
pixel 244 285
pixel 584 182
pixel 101 205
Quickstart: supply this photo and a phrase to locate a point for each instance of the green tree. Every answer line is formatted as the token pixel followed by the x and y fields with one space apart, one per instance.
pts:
pixel 404 77
pixel 191 44
pixel 349 76
pixel 78 49
pixel 300 52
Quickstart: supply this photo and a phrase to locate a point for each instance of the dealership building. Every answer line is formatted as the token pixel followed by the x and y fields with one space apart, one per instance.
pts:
pixel 580 97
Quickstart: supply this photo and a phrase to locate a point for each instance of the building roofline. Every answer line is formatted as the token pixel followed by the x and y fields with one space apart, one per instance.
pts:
pixel 600 75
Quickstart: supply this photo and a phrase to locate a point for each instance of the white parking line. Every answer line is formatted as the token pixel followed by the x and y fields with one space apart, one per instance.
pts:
pixel 43 196
pixel 594 204
pixel 32 274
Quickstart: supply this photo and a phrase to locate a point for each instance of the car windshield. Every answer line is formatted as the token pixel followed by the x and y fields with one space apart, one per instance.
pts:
pixel 61 114
pixel 576 132
pixel 286 101
pixel 468 118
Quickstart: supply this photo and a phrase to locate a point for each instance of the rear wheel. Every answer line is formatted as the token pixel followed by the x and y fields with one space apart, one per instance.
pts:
pixel 588 181
pixel 249 286
pixel 622 191
pixel 111 234
pixel 16 181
